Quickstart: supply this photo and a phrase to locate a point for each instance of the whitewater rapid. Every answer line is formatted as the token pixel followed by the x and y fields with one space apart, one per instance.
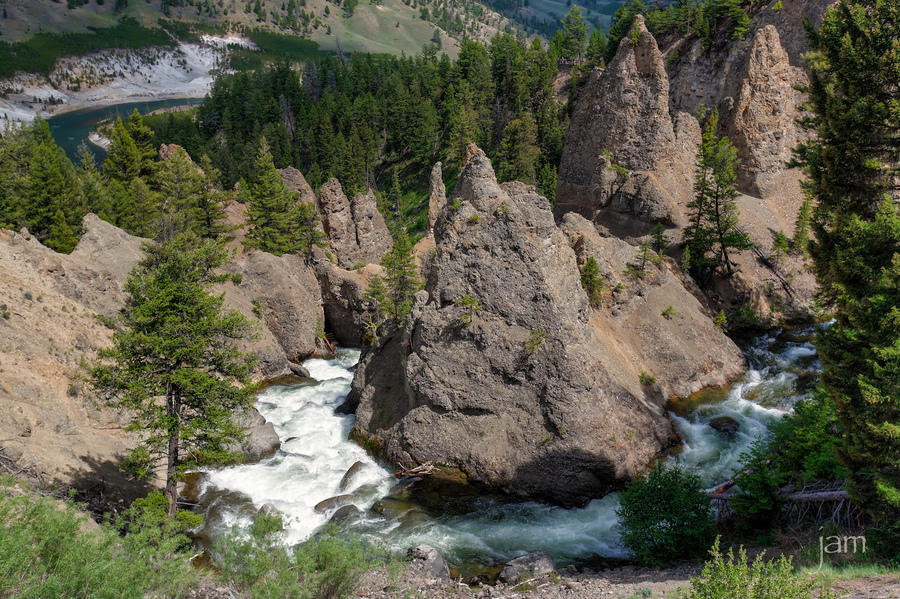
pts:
pixel 316 453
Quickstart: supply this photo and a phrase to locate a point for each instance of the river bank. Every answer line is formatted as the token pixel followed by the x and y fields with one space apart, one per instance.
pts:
pixel 320 477
pixel 116 76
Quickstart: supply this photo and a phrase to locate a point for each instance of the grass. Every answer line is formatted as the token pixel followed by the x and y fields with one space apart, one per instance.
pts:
pixel 39 53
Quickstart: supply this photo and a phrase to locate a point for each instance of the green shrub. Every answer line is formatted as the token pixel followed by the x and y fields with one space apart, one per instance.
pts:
pixel 758 503
pixel 535 338
pixel 665 515
pixel 471 306
pixel 326 567
pixel 669 313
pixel 725 577
pixel 807 440
pixel 49 551
pixel 646 378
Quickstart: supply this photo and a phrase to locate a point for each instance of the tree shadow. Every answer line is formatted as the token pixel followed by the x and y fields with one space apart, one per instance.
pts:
pixel 102 486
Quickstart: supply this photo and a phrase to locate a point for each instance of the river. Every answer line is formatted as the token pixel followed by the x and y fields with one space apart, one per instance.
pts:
pixel 475 532
pixel 70 129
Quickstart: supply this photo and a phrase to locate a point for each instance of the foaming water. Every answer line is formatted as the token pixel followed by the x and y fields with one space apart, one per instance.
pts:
pixel 477 531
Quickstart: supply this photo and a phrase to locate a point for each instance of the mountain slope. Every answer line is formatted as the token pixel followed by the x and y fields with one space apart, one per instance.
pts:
pixel 391 26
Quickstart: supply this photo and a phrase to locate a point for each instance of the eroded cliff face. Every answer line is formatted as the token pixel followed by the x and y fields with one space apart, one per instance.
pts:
pixel 628 162
pixel 55 307
pixel 532 393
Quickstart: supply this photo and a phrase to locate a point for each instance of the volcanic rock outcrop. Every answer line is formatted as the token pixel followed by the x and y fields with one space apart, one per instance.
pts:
pixel 356 230
pixel 628 161
pixel 505 371
pixel 437 194
pixel 623 163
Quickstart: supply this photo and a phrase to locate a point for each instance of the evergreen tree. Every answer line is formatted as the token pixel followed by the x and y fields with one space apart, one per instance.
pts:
pixel 52 187
pixel 596 50
pixel 853 162
pixel 271 212
pixel 142 135
pixel 592 282
pixel 181 185
pixel 575 29
pixel 518 150
pixel 172 365
pixel 309 229
pixel 140 215
pixel 208 213
pixel 401 280
pixel 660 241
pixel 713 216
pixel 800 241
pixel 61 238
pixel 123 160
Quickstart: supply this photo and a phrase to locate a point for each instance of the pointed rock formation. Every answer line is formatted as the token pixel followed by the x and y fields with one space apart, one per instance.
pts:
pixel 621 158
pixel 437 195
pixel 357 232
pixel 525 392
pixel 296 182
pixel 373 239
pixel 763 124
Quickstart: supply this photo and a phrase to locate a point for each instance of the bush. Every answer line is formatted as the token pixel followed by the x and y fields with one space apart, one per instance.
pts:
pixel 725 577
pixel 806 441
pixel 326 567
pixel 758 503
pixel 47 549
pixel 665 515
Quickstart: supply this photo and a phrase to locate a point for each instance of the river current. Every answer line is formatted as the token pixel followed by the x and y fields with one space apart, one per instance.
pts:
pixel 474 531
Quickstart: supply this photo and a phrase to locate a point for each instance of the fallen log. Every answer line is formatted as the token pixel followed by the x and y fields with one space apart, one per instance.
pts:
pixel 420 470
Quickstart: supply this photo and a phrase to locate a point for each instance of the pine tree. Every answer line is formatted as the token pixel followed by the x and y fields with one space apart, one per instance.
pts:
pixel 800 241
pixel 713 216
pixel 208 213
pixel 575 29
pixel 853 162
pixel 596 49
pixel 309 229
pixel 518 150
pixel 173 366
pixel 660 241
pixel 123 160
pixel 592 282
pixel 52 187
pixel 142 135
pixel 271 212
pixel 61 238
pixel 141 216
pixel 401 279
pixel 181 184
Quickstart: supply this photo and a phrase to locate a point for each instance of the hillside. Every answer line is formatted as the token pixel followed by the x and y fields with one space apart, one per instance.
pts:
pixel 391 26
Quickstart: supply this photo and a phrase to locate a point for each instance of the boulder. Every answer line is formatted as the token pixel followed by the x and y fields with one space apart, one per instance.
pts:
pixel 437 195
pixel 429 563
pixel 262 440
pixel 373 238
pixel 347 479
pixel 520 396
pixel 333 503
pixel 725 424
pixel 684 352
pixel 281 294
pixel 528 566
pixel 344 513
